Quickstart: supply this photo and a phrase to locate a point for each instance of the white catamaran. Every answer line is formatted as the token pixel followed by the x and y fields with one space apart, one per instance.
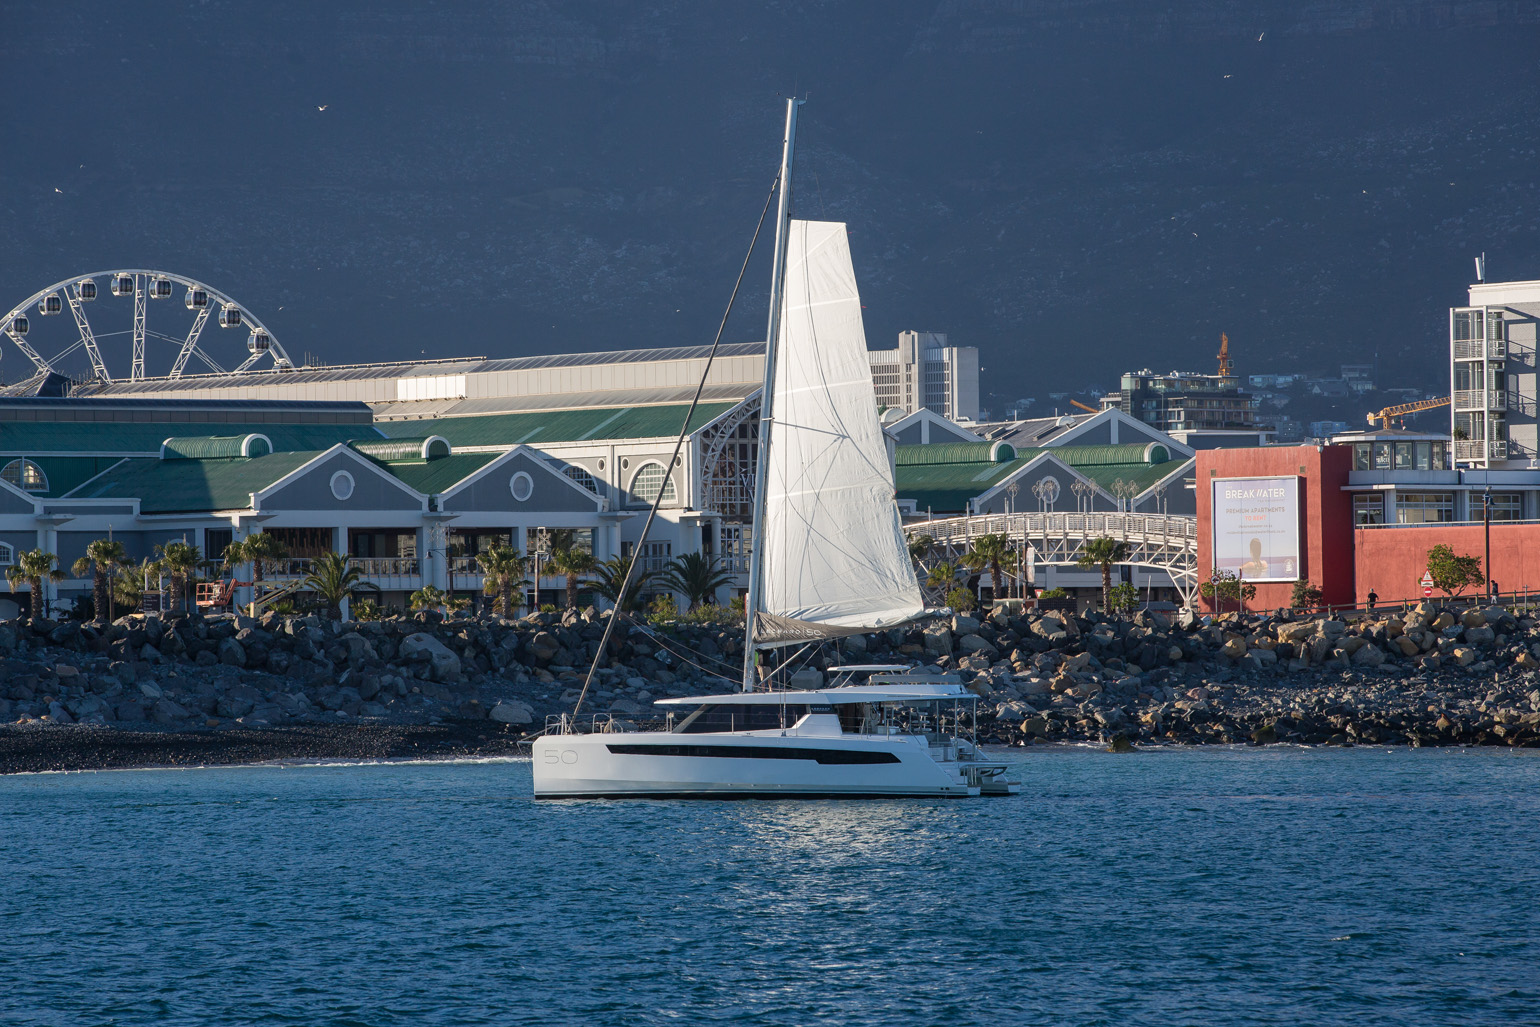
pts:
pixel 829 560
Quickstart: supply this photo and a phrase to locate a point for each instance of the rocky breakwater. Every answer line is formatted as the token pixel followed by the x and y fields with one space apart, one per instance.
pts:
pixel 1432 675
pixel 192 672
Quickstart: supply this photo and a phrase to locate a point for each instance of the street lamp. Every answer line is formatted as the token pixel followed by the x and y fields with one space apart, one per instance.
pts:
pixel 1486 517
pixel 1010 491
pixel 540 547
pixel 1083 491
pixel 1047 492
pixel 1125 491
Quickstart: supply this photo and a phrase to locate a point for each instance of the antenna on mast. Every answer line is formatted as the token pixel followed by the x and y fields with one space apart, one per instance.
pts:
pixel 1481 268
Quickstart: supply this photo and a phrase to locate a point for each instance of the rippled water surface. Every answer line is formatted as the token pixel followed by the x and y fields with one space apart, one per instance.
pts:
pixel 1263 886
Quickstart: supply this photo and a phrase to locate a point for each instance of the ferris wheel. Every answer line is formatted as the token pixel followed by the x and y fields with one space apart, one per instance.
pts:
pixel 25 326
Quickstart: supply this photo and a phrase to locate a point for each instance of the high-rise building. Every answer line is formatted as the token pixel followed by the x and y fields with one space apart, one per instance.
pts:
pixel 1492 376
pixel 1183 401
pixel 926 372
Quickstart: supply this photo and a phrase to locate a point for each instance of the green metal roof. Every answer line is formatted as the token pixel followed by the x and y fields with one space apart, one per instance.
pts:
pixel 28 438
pixel 945 485
pixel 66 472
pixel 411 447
pixel 1092 456
pixel 956 453
pixel 946 488
pixel 214 447
pixel 181 486
pixel 539 427
pixel 438 474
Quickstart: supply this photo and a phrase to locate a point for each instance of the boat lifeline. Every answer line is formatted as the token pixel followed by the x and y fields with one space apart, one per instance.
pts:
pixel 829 560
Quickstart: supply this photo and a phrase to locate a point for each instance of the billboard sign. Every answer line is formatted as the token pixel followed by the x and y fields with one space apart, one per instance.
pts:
pixel 1256 528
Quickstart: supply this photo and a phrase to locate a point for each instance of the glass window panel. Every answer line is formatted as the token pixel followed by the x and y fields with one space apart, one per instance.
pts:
pixel 1424 507
pixel 1369 508
pixel 1403 456
pixel 1506 506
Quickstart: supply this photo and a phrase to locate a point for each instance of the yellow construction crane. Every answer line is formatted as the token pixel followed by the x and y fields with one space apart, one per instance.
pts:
pixel 1226 369
pixel 1082 406
pixel 1385 415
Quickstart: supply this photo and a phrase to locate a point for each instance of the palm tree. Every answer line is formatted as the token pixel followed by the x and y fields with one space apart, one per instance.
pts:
pixel 181 560
pixel 696 576
pixel 920 547
pixel 573 563
pixel 128 583
pixel 30 569
pixel 333 579
pixel 503 570
pixel 261 550
pixel 102 559
pixel 942 576
pixel 1103 552
pixel 611 573
pixel 993 552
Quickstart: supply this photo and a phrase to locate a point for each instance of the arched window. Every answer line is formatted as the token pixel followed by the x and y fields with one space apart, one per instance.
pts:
pixel 25 474
pixel 582 477
pixel 7 555
pixel 649 479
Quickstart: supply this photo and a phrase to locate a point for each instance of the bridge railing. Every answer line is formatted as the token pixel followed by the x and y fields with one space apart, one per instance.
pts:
pixel 1175 528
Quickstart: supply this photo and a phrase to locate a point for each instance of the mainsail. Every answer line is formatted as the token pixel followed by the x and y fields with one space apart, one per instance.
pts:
pixel 834 559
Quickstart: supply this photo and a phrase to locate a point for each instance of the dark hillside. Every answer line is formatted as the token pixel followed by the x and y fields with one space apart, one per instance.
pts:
pixel 1046 179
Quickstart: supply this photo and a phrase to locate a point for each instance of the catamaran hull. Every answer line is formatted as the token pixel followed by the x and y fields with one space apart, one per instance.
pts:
pixel 662 765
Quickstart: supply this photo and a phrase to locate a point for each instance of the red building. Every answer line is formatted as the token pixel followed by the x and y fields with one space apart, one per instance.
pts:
pixel 1325 514
pixel 1366 524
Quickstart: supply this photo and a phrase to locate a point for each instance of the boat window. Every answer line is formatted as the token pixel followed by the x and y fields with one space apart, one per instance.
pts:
pixel 741 717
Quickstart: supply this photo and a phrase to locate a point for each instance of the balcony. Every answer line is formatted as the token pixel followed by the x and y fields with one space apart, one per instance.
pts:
pixel 1473 349
pixel 1475 399
pixel 388 573
pixel 1475 451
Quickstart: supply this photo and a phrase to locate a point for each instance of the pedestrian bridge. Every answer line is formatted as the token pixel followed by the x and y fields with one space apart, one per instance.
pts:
pixel 1162 542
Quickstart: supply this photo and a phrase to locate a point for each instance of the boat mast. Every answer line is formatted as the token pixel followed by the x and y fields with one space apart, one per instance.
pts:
pixel 767 390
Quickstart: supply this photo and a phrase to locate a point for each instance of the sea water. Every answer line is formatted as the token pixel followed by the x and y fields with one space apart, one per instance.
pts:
pixel 1213 886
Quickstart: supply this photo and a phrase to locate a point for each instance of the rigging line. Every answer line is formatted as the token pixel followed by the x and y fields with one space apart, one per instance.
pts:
pixel 684 430
pixel 682 649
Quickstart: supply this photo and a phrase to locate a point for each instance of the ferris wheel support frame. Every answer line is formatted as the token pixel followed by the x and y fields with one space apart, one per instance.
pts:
pixel 138 371
pixel 191 343
pixel 142 277
pixel 87 338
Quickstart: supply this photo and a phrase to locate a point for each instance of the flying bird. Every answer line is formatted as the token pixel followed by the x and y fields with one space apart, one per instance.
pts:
pixel 323 106
pixel 58 190
pixel 1259 38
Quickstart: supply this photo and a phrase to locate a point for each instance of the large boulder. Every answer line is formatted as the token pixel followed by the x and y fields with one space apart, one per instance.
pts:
pixel 1369 656
pixel 512 711
pixel 443 664
pixel 938 639
pixel 232 654
pixel 168 712
pixel 977 644
pixel 543 646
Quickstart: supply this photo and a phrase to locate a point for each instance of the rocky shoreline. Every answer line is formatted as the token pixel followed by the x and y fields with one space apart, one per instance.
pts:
pixel 226 689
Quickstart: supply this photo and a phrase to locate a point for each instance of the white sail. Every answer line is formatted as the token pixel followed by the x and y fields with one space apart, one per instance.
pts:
pixel 835 561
